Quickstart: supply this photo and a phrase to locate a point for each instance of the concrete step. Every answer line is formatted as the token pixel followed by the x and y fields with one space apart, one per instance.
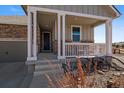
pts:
pixel 47 62
pixel 47 67
pixel 47 72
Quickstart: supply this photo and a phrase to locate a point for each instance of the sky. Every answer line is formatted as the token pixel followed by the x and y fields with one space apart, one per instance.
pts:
pixel 117 25
pixel 9 10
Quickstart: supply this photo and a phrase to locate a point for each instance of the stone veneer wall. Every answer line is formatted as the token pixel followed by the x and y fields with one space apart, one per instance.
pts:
pixel 38 39
pixel 13 31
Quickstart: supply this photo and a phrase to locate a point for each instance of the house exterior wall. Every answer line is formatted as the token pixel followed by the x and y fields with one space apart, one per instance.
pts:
pixel 13 44
pixel 13 31
pixel 16 20
pixel 54 46
pixel 86 33
pixel 85 9
pixel 9 49
pixel 38 39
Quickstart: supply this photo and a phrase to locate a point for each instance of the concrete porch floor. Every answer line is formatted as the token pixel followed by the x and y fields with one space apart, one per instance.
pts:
pixel 47 56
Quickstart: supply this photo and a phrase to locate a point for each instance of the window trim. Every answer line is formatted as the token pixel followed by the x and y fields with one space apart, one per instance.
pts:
pixel 72 31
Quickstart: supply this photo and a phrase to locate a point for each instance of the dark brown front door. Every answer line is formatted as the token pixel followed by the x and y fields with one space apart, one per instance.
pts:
pixel 46 40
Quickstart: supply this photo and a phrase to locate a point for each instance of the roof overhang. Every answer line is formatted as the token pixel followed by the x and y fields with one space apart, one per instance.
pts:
pixel 24 7
pixel 111 6
pixel 115 10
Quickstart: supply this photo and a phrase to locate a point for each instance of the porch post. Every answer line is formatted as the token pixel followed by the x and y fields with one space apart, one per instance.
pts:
pixel 109 37
pixel 35 35
pixel 59 36
pixel 29 36
pixel 63 35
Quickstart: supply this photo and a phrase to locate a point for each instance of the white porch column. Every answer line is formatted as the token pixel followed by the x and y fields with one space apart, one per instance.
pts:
pixel 109 37
pixel 35 35
pixel 29 36
pixel 63 35
pixel 59 36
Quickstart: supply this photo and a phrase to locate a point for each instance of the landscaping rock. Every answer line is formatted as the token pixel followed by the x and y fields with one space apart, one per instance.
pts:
pixel 100 72
pixel 109 84
pixel 116 73
pixel 117 65
pixel 122 73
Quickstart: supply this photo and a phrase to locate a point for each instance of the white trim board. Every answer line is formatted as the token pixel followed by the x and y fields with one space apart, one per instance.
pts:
pixel 32 9
pixel 13 39
pixel 31 59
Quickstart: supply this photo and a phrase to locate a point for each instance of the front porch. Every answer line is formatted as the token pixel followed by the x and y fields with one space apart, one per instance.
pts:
pixel 61 43
pixel 77 49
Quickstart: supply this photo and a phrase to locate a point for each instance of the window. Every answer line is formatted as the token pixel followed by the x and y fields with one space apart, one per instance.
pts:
pixel 76 34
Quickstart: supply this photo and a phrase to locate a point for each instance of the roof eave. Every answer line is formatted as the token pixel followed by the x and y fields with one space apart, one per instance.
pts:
pixel 24 9
pixel 118 14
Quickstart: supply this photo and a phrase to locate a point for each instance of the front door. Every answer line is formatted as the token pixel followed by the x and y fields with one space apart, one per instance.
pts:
pixel 46 41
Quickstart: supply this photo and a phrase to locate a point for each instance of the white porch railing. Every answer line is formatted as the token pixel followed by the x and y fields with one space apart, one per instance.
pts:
pixel 84 49
pixel 99 49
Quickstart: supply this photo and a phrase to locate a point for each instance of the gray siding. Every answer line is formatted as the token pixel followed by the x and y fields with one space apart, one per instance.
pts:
pixel 13 51
pixel 100 10
pixel 86 34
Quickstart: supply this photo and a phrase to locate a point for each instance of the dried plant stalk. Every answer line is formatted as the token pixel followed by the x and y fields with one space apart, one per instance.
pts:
pixel 50 82
pixel 80 72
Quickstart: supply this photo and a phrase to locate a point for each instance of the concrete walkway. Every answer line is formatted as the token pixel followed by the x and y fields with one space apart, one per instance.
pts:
pixel 12 74
pixel 40 81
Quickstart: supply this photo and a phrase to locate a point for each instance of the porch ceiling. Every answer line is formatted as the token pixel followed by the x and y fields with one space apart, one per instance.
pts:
pixel 83 20
pixel 46 20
